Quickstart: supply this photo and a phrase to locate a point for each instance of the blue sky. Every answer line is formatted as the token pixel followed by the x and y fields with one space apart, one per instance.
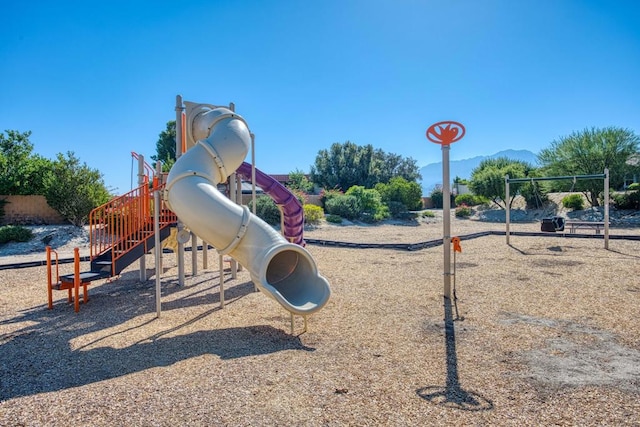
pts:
pixel 100 78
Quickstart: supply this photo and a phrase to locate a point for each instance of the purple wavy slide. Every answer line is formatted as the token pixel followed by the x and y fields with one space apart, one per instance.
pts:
pixel 293 212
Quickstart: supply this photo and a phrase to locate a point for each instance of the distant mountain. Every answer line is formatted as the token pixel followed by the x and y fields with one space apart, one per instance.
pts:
pixel 432 173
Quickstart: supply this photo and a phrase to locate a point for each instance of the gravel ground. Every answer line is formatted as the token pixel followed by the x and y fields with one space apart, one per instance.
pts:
pixel 543 332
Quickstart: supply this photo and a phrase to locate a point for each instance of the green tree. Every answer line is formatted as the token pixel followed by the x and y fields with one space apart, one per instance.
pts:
pixel 487 180
pixel 166 147
pixel 345 165
pixel 590 152
pixel 299 181
pixel 74 189
pixel 21 171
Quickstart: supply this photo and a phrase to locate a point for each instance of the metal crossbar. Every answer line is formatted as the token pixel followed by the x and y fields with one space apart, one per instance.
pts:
pixel 557 178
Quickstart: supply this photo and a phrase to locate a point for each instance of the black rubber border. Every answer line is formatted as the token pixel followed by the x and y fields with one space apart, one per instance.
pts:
pixel 394 246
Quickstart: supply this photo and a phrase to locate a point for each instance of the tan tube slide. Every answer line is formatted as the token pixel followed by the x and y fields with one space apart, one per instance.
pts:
pixel 284 271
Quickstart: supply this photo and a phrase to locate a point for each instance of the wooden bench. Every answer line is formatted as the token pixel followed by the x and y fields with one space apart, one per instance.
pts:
pixel 574 225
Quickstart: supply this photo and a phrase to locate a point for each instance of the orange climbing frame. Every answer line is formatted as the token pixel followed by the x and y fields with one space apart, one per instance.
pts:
pixel 57 284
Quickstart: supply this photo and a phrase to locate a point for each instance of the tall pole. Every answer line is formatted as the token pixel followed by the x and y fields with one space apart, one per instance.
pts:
pixel 507 213
pixel 180 225
pixel 156 229
pixel 446 221
pixel 253 173
pixel 606 208
pixel 143 266
pixel 445 133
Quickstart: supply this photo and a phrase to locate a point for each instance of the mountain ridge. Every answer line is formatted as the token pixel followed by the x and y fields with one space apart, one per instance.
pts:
pixel 432 173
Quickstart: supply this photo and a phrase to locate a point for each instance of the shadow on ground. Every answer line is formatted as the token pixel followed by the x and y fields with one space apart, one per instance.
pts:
pixel 452 395
pixel 34 371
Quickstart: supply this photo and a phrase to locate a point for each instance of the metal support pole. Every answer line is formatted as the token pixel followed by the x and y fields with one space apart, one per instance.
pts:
pixel 205 255
pixel 253 172
pixel 194 254
pixel 253 183
pixel 180 225
pixel 238 200
pixel 446 212
pixel 143 265
pixel 221 266
pixel 232 195
pixel 157 248
pixel 281 209
pixel 507 207
pixel 606 208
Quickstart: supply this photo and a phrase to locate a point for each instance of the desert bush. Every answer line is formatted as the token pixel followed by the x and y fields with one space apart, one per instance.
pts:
pixel 573 201
pixel 266 209
pixel 463 211
pixel 344 206
pixel 370 203
pixel 312 214
pixel 628 200
pixel 396 208
pixel 13 233
pixel 326 195
pixel 467 199
pixel 334 219
pixel 407 215
pixel 437 198
pixel 398 189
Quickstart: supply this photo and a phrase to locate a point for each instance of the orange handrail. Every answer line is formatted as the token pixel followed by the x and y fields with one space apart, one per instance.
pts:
pixel 123 222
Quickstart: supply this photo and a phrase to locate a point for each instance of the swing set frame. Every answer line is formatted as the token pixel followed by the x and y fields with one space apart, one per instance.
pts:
pixel 604 176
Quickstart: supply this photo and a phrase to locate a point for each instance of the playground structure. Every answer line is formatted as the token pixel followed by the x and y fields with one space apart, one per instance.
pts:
pixel 211 143
pixel 558 224
pixel 217 142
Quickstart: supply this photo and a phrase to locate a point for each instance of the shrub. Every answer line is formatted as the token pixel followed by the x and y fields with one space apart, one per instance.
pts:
pixel 11 233
pixel 463 211
pixel 334 219
pixel 396 208
pixel 399 189
pixel 313 214
pixel 467 199
pixel 344 206
pixel 266 209
pixel 370 203
pixel 407 215
pixel 628 200
pixel 428 214
pixel 326 195
pixel 573 201
pixel 437 198
pixel 633 187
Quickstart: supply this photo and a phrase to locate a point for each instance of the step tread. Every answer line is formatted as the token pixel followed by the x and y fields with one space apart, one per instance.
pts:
pixel 85 276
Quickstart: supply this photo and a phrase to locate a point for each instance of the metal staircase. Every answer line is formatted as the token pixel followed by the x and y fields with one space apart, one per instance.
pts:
pixel 121 231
